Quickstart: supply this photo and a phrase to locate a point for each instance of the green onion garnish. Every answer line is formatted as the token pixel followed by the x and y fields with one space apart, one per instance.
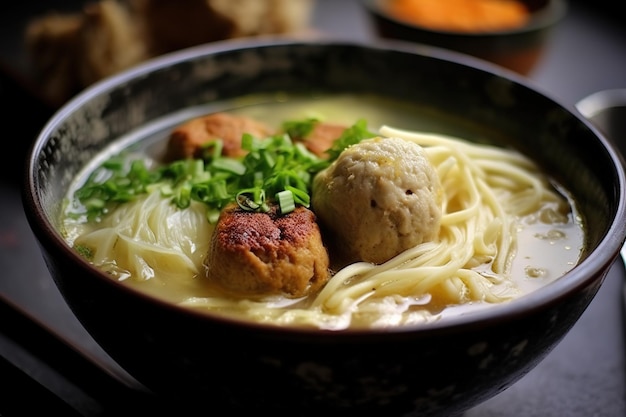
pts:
pixel 286 201
pixel 275 166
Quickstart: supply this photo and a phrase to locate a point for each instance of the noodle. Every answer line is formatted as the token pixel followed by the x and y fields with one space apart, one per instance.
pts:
pixel 489 193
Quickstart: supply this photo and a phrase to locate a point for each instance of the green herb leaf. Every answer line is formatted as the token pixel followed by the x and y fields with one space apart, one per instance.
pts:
pixel 353 135
pixel 286 202
pixel 300 129
pixel 275 166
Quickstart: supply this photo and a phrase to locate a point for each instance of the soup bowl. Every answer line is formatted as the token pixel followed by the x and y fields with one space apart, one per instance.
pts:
pixel 199 361
pixel 515 46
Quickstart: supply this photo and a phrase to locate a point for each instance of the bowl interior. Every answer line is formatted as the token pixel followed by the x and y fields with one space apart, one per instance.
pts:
pixel 447 93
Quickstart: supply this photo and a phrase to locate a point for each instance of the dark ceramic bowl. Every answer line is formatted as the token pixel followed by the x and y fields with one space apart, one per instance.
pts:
pixel 518 49
pixel 440 369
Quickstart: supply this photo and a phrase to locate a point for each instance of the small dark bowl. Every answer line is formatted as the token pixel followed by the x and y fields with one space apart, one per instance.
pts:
pixel 201 362
pixel 517 49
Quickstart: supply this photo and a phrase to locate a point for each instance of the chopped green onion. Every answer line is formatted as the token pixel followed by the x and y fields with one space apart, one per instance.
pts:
pixel 85 251
pixel 213 215
pixel 354 134
pixel 300 128
pixel 166 190
pixel 286 202
pixel 212 149
pixel 94 203
pixel 247 142
pixel 274 166
pixel 183 197
pixel 299 196
pixel 229 165
pixel 252 200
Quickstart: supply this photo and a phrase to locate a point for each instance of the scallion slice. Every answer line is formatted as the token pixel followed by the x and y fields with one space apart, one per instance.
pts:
pixel 275 166
pixel 286 202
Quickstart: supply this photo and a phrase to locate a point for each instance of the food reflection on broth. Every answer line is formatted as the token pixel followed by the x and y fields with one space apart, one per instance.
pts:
pixel 408 227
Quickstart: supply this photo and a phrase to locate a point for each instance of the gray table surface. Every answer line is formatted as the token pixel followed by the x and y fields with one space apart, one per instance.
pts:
pixel 584 376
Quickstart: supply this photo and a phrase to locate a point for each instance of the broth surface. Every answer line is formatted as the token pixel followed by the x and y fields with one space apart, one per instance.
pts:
pixel 543 254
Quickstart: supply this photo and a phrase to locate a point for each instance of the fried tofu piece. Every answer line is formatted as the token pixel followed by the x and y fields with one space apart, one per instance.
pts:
pixel 268 253
pixel 189 139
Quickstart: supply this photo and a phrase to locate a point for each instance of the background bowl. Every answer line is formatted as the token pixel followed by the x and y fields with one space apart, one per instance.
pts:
pixel 197 361
pixel 518 49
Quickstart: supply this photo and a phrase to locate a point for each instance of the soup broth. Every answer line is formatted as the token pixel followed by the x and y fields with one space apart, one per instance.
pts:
pixel 545 243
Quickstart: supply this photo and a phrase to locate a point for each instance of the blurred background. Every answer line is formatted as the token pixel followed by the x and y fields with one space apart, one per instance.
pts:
pixel 57 47
pixel 50 50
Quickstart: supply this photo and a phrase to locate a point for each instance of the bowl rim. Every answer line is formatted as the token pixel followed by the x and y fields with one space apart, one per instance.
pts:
pixel 547 16
pixel 602 100
pixel 581 276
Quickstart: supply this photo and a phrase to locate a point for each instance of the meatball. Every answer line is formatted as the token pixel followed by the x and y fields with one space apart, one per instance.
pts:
pixel 268 253
pixel 379 198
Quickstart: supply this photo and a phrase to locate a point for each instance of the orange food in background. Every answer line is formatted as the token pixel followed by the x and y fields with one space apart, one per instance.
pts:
pixel 461 15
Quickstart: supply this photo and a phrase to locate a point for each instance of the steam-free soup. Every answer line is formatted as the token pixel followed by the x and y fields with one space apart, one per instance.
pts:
pixel 504 229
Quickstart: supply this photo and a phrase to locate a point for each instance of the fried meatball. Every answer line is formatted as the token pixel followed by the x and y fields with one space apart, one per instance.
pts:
pixel 188 139
pixel 268 253
pixel 379 198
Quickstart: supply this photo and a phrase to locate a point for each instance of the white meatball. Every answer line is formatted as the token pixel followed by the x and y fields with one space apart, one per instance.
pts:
pixel 379 198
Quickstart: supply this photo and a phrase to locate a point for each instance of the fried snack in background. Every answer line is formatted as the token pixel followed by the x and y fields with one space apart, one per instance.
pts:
pixel 70 51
